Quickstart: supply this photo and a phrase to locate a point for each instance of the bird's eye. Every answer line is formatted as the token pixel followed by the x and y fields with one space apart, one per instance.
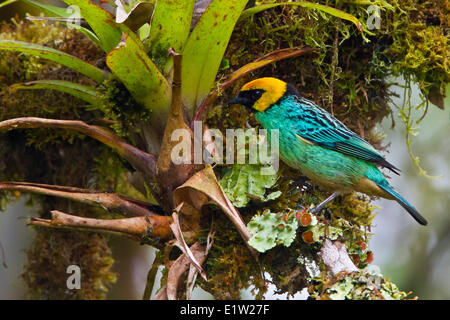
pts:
pixel 259 92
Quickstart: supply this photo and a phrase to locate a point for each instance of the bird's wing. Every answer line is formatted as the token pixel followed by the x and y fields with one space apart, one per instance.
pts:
pixel 317 126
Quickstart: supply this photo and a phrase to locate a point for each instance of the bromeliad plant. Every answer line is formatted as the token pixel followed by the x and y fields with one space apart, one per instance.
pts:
pixel 162 59
pixel 138 58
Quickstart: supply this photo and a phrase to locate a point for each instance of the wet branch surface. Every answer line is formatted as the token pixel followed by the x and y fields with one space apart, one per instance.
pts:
pixel 109 201
pixel 142 229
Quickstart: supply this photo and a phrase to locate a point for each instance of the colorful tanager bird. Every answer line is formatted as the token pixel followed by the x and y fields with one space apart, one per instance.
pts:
pixel 320 146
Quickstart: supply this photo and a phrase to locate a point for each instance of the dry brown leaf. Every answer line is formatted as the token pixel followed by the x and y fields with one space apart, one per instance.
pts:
pixel 177 269
pixel 190 282
pixel 436 97
pixel 171 175
pixel 201 189
pixel 181 243
pixel 192 275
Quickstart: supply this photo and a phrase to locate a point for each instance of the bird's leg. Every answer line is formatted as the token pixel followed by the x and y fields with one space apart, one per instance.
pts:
pixel 323 204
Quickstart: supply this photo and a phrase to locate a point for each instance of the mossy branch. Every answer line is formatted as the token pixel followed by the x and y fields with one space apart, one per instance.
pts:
pixel 140 160
pixel 142 229
pixel 109 201
pixel 151 277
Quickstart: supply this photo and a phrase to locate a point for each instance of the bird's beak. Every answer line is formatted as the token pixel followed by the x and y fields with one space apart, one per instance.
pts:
pixel 241 100
pixel 235 100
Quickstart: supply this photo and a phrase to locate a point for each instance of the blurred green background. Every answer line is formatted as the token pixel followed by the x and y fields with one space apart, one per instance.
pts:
pixel 414 257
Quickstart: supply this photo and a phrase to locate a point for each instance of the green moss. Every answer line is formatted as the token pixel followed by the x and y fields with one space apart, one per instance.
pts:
pixel 420 43
pixel 54 157
pixel 230 267
pixel 119 106
pixel 55 250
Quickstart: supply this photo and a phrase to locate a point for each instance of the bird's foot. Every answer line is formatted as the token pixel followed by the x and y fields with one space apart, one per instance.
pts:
pixel 323 204
pixel 314 210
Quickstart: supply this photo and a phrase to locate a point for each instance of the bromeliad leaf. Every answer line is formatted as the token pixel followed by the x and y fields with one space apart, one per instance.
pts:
pixel 85 93
pixel 205 48
pixel 7 2
pixel 271 229
pixel 57 56
pixel 330 10
pixel 68 15
pixel 139 15
pixel 244 182
pixel 101 21
pixel 139 74
pixel 169 28
pixel 53 11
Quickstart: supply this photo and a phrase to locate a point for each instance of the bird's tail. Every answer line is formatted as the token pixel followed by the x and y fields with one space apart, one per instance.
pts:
pixel 411 210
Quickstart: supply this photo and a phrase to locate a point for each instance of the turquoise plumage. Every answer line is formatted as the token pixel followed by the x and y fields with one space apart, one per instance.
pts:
pixel 319 145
